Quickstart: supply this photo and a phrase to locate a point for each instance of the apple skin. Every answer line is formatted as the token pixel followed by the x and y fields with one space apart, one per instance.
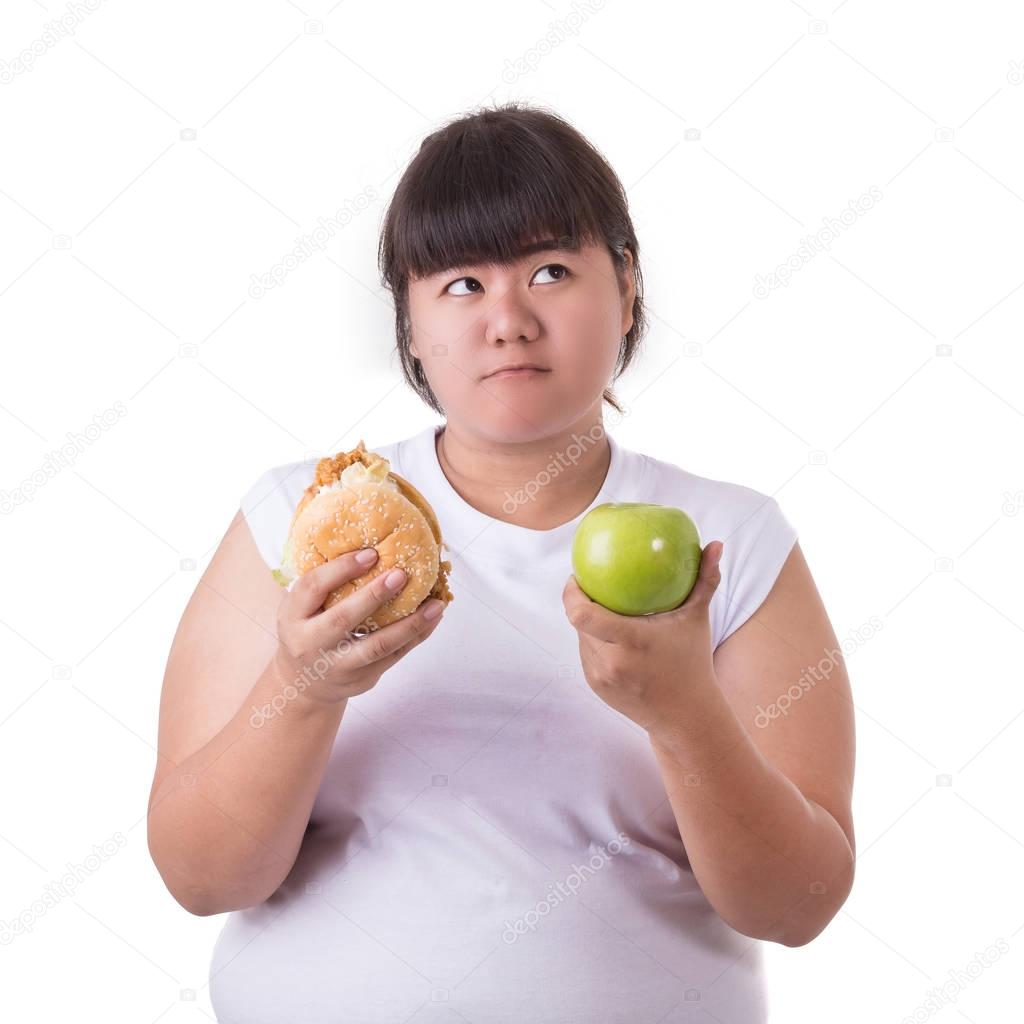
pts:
pixel 635 558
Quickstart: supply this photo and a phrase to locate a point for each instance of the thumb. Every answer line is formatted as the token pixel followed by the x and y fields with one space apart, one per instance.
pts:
pixel 709 576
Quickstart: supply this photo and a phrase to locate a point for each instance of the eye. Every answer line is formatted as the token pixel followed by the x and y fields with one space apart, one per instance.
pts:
pixel 457 281
pixel 564 273
pixel 557 266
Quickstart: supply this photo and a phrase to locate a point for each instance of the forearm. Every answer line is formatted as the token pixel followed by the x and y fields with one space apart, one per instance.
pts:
pixel 226 824
pixel 773 864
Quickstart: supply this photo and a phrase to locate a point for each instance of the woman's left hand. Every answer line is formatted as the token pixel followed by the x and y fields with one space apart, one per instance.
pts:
pixel 643 665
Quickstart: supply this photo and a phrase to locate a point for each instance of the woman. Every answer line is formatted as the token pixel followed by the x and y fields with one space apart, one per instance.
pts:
pixel 548 811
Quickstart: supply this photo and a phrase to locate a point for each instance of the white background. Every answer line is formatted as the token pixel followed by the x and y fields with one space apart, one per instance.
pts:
pixel 160 156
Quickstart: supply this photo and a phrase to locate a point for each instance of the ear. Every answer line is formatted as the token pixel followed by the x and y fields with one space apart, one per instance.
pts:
pixel 628 291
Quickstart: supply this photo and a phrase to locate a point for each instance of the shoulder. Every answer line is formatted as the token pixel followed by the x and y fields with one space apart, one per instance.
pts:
pixel 758 536
pixel 726 508
pixel 269 502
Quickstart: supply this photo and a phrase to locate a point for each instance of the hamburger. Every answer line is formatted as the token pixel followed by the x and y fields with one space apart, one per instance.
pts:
pixel 355 501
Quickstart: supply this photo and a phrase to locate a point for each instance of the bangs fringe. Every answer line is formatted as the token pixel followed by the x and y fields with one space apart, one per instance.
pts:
pixel 484 194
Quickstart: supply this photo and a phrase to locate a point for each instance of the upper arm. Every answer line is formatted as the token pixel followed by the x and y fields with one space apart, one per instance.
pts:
pixel 226 637
pixel 784 675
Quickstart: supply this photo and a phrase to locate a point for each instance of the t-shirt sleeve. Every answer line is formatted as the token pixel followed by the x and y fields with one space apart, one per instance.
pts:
pixel 269 504
pixel 754 554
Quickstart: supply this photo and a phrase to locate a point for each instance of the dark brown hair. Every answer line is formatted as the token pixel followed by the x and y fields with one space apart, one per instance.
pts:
pixel 484 185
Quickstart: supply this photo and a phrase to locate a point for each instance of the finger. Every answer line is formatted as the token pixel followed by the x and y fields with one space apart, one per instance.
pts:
pixel 355 607
pixel 709 576
pixel 379 644
pixel 592 618
pixel 311 589
pixel 400 652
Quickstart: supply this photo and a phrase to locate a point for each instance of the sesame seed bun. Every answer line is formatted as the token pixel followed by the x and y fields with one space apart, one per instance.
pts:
pixel 373 508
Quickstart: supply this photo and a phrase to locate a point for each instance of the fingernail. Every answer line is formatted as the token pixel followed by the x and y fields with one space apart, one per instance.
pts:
pixel 394 579
pixel 433 609
pixel 366 556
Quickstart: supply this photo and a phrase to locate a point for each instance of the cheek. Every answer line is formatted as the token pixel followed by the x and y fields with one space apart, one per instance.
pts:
pixel 441 358
pixel 431 335
pixel 588 336
pixel 422 330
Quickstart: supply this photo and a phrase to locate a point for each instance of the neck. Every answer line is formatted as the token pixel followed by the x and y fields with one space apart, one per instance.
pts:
pixel 536 484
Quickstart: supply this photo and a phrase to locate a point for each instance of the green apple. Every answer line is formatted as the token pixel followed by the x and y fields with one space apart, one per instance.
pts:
pixel 636 558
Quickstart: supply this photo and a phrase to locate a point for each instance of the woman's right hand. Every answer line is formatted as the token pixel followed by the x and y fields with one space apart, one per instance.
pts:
pixel 317 652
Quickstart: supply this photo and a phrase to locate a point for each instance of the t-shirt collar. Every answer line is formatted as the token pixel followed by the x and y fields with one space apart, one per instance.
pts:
pixel 469 533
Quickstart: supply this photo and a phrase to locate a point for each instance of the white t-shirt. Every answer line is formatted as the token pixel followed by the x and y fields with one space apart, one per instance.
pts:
pixel 491 842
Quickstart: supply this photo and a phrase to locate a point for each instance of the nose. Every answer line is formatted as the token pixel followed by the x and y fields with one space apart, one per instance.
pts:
pixel 511 319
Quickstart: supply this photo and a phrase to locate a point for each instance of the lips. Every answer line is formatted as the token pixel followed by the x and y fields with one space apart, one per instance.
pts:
pixel 517 369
